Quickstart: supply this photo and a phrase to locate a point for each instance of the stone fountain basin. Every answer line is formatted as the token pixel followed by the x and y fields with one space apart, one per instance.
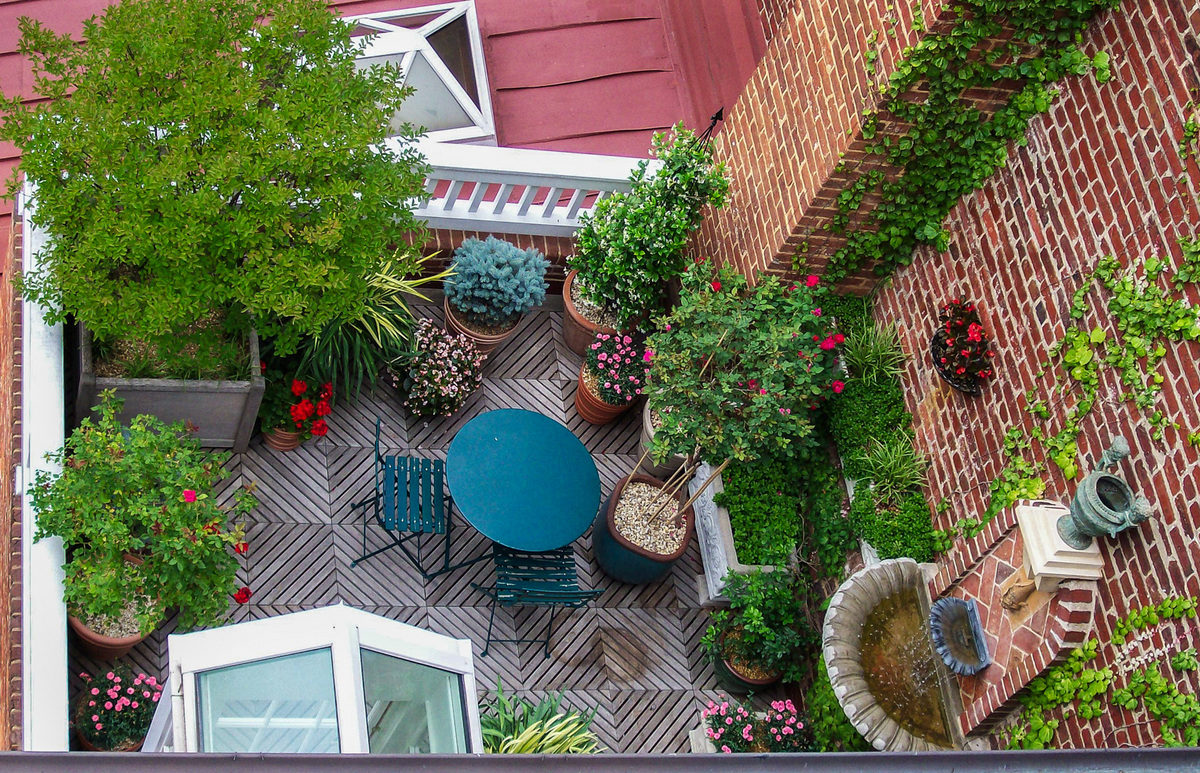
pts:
pixel 842 640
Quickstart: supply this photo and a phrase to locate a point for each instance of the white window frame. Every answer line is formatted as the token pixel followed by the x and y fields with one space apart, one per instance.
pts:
pixel 341 629
pixel 391 40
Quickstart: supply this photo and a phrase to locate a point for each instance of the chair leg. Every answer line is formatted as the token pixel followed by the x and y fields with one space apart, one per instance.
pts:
pixel 550 628
pixel 487 643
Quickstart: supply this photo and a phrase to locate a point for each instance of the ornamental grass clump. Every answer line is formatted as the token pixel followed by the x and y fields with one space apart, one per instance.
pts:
pixel 967 353
pixel 114 711
pixel 516 726
pixel 618 365
pixel 235 159
pixel 443 371
pixel 632 243
pixel 143 533
pixel 494 282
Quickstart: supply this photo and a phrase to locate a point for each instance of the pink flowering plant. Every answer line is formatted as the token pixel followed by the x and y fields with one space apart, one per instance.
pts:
pixel 114 710
pixel 733 728
pixel 619 364
pixel 142 489
pixel 739 369
pixel 443 370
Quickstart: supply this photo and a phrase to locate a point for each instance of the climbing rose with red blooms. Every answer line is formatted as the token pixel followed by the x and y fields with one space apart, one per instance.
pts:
pixel 716 286
pixel 812 281
pixel 243 595
pixel 965 347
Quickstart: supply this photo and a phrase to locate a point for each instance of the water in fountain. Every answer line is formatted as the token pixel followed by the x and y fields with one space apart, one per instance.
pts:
pixel 901 667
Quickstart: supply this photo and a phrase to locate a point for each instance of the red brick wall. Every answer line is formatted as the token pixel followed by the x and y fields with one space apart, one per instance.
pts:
pixel 1101 175
pixel 801 110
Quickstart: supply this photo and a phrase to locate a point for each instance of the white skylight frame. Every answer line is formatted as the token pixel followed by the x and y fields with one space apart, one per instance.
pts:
pixel 345 631
pixel 393 40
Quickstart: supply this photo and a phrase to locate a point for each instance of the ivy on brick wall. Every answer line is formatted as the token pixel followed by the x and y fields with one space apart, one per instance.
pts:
pixel 1148 311
pixel 946 145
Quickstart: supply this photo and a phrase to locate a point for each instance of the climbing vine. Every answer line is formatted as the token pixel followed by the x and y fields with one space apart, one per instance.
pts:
pixel 1174 608
pixel 1148 310
pixel 1071 682
pixel 945 146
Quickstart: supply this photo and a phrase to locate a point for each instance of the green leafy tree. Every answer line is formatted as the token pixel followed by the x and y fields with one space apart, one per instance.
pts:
pixel 202 155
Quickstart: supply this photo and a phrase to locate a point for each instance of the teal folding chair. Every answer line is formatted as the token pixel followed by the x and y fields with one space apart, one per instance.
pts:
pixel 534 580
pixel 409 503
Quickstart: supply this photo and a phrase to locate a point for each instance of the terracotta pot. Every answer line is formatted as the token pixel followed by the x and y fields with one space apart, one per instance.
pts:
pixel 734 681
pixel 937 349
pixel 621 559
pixel 282 439
pixel 591 408
pixel 578 333
pixel 483 342
pixel 88 746
pixel 101 647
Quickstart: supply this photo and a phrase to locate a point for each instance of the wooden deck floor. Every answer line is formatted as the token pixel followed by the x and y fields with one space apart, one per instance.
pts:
pixel 634 654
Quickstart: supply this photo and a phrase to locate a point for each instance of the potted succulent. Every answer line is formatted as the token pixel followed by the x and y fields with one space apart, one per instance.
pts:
pixel 141 531
pixel 632 243
pixel 113 712
pixel 441 373
pixel 211 209
pixel 761 637
pixel 961 349
pixel 492 284
pixel 293 411
pixel 737 371
pixel 610 378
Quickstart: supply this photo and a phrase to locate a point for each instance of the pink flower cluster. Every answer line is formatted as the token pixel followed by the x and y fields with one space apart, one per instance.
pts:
pixel 116 708
pixel 443 372
pixel 733 728
pixel 620 366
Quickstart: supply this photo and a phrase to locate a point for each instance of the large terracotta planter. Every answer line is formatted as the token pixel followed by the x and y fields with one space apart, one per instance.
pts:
pixel 99 646
pixel 591 408
pixel 621 559
pixel 578 333
pixel 734 681
pixel 483 342
pixel 282 439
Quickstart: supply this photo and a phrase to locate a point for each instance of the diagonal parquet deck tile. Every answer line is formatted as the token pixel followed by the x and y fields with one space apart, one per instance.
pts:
pixel 633 654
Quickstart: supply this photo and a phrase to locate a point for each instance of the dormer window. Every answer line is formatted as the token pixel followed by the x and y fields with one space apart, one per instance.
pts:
pixel 439 52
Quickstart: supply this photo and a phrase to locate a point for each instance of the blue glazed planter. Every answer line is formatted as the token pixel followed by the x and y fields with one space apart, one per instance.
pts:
pixel 621 559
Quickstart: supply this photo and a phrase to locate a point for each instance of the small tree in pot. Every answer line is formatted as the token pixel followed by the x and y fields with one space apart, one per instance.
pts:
pixel 492 283
pixel 735 372
pixel 142 533
pixel 632 243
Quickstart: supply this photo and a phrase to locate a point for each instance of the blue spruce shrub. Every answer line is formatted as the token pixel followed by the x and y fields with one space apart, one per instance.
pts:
pixel 494 281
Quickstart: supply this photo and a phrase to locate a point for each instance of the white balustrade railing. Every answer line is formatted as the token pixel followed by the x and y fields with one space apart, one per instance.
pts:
pixel 516 191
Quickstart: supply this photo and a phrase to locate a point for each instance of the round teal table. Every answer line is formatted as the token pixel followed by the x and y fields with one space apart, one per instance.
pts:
pixel 523 480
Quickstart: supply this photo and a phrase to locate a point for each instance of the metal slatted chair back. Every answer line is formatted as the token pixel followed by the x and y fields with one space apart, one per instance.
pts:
pixel 537 580
pixel 409 501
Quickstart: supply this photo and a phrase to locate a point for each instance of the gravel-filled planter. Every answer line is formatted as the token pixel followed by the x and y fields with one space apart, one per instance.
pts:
pixel 617 549
pixel 578 330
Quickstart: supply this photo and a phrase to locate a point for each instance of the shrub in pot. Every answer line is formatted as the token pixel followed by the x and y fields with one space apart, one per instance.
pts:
pixel 113 712
pixel 632 243
pixel 736 373
pixel 280 206
pixel 610 378
pixel 763 636
pixel 440 374
pixel 492 283
pixel 141 531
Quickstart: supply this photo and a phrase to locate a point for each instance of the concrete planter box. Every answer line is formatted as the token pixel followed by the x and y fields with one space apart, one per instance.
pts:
pixel 224 411
pixel 716 537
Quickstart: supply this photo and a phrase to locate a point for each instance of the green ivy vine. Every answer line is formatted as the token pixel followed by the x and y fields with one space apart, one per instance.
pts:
pixel 946 146
pixel 1147 305
pixel 1173 608
pixel 1069 683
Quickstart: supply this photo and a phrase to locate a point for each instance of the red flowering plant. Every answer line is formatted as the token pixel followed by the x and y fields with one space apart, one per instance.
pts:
pixel 962 348
pixel 733 728
pixel 114 710
pixel 294 405
pixel 616 368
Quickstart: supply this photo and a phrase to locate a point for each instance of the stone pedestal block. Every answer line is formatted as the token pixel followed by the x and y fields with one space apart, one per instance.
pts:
pixel 1048 559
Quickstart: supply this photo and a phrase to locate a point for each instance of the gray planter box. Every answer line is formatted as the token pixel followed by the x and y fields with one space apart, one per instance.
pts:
pixel 223 410
pixel 715 537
